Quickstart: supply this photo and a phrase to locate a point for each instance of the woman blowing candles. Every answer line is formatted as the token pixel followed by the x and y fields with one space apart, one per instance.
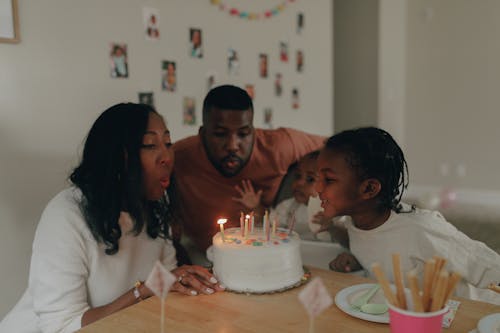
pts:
pixel 97 240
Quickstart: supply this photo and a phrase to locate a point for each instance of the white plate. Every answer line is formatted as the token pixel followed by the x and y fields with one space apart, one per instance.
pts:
pixel 346 296
pixel 489 324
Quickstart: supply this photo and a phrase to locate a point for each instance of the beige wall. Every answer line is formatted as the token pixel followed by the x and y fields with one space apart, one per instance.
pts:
pixel 435 85
pixel 453 92
pixel 356 63
pixel 56 81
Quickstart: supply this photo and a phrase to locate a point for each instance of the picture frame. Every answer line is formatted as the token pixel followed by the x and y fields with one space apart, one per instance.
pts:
pixel 9 22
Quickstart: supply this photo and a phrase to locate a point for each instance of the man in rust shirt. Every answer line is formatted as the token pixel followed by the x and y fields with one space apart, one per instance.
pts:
pixel 228 150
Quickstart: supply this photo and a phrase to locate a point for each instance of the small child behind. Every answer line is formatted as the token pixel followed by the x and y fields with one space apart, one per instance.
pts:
pixel 362 174
pixel 296 207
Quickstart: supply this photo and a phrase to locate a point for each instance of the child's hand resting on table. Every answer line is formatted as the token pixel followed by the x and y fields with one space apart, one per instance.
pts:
pixel 345 263
pixel 248 197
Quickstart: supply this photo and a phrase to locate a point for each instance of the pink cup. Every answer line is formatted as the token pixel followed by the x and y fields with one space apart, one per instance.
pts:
pixel 404 321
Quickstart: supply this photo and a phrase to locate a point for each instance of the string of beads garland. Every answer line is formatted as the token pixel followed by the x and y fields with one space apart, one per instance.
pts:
pixel 251 15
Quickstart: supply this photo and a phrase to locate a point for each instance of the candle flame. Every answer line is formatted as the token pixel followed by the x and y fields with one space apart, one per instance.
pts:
pixel 247 216
pixel 221 221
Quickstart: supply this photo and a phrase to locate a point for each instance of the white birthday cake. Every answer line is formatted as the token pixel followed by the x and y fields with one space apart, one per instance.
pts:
pixel 253 264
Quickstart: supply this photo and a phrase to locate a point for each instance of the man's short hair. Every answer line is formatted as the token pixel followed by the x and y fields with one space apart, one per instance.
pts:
pixel 226 97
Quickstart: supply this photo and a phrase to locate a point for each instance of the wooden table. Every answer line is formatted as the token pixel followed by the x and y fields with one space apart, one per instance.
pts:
pixel 227 312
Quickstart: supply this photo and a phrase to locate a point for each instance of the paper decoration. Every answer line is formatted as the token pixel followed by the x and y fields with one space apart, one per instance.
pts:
pixel 257 15
pixel 160 280
pixel 315 297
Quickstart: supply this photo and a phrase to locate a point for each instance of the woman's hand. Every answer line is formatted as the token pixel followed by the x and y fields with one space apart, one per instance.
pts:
pixel 194 280
pixel 345 262
pixel 248 197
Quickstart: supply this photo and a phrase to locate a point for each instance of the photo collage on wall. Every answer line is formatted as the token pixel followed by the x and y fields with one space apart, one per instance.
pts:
pixel 119 66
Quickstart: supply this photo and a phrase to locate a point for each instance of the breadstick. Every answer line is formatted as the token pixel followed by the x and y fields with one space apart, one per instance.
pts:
pixel 398 280
pixel 430 266
pixel 452 283
pixel 384 283
pixel 494 287
pixel 439 291
pixel 440 263
pixel 415 291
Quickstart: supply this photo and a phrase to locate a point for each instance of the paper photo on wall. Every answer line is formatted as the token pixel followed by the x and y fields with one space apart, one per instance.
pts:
pixel 151 19
pixel 295 99
pixel 147 98
pixel 118 60
pixel 283 52
pixel 211 80
pixel 168 76
pixel 300 61
pixel 233 61
pixel 195 43
pixel 189 112
pixel 300 22
pixel 263 65
pixel 278 85
pixel 268 117
pixel 250 89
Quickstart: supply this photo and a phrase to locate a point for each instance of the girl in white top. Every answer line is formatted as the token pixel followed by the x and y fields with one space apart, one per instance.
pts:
pixel 362 174
pixel 98 240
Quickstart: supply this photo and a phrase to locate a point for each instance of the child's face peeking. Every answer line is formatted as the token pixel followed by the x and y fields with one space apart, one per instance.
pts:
pixel 338 185
pixel 305 178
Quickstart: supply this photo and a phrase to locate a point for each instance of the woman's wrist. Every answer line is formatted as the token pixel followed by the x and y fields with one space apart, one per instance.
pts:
pixel 137 291
pixel 141 291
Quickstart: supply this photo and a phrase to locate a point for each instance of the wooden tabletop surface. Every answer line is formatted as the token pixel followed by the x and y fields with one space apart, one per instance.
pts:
pixel 227 312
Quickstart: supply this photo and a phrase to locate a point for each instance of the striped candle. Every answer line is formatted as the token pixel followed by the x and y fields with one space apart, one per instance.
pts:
pixel 267 226
pixel 241 225
pixel 252 222
pixel 245 234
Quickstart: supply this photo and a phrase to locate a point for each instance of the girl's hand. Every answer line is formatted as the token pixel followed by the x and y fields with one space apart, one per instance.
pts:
pixel 345 262
pixel 325 223
pixel 248 197
pixel 195 280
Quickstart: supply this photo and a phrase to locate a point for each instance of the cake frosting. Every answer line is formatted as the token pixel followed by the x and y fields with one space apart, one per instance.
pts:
pixel 253 264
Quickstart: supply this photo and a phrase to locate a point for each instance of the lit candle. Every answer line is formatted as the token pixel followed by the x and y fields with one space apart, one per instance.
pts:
pixel 241 225
pixel 221 223
pixel 247 217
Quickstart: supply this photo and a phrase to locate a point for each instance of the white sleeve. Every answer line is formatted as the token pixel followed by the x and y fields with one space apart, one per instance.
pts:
pixel 59 268
pixel 280 213
pixel 473 260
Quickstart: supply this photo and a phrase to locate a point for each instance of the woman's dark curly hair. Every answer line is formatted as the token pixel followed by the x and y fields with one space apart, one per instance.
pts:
pixel 110 177
pixel 373 153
